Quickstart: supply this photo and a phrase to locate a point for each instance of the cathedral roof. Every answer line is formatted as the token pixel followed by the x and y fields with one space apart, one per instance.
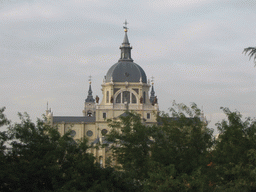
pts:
pixel 126 69
pixel 73 119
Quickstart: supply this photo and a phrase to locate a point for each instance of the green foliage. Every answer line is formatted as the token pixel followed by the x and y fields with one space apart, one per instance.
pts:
pixel 131 139
pixel 169 156
pixel 41 159
pixel 182 143
pixel 4 137
pixel 177 154
pixel 234 154
pixel 251 52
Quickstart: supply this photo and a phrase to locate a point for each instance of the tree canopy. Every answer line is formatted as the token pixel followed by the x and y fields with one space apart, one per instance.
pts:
pixel 181 154
pixel 40 159
pixel 251 53
pixel 177 154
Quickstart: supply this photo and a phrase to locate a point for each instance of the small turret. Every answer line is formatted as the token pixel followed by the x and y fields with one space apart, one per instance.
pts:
pixel 89 105
pixel 152 94
pixel 90 98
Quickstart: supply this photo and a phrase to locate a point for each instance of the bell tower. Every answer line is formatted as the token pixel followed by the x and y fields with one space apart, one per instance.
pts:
pixel 89 105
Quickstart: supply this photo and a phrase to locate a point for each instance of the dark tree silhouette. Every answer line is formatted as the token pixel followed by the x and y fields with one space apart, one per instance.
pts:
pixel 251 53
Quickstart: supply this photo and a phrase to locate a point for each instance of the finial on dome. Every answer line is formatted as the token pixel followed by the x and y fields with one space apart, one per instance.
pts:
pixel 90 79
pixel 125 27
pixel 152 80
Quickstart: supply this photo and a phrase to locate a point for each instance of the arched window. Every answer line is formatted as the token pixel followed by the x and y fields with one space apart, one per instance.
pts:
pixel 118 98
pixel 107 97
pixel 89 113
pixel 134 100
pixel 126 96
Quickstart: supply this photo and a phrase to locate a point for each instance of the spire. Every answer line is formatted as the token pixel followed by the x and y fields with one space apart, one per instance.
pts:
pixel 125 47
pixel 152 93
pixel 126 40
pixel 90 97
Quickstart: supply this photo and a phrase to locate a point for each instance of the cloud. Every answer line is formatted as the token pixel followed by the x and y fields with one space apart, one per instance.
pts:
pixel 166 5
pixel 192 48
pixel 29 11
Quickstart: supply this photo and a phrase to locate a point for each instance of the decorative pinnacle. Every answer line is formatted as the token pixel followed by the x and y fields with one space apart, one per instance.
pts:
pixel 125 27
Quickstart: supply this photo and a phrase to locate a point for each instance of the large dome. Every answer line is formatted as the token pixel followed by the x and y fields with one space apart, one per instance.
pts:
pixel 126 71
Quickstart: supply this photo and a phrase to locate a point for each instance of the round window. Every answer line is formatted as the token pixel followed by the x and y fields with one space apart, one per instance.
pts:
pixel 104 131
pixel 89 133
pixel 72 133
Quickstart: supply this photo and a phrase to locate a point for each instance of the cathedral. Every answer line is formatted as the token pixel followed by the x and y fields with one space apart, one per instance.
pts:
pixel 125 87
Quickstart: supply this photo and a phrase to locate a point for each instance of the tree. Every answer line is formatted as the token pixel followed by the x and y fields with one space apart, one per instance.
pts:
pixel 131 147
pixel 41 159
pixel 4 137
pixel 235 153
pixel 181 151
pixel 251 52
pixel 172 155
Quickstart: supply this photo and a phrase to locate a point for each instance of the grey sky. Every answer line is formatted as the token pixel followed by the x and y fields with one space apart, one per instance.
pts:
pixel 193 48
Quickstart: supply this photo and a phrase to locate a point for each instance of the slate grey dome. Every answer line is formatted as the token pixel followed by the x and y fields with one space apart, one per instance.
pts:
pixel 126 69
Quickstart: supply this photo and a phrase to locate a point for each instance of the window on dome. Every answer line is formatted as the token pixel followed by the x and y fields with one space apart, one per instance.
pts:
pixel 134 100
pixel 126 96
pixel 144 97
pixel 118 98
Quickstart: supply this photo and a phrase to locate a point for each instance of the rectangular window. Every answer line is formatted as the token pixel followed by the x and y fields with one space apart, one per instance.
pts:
pixel 107 97
pixel 144 97
pixel 104 115
pixel 148 115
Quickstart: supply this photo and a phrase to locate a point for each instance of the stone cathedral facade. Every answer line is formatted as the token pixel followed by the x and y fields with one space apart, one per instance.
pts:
pixel 125 87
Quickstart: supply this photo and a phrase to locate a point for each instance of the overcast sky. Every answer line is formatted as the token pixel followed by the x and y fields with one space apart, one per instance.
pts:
pixel 193 48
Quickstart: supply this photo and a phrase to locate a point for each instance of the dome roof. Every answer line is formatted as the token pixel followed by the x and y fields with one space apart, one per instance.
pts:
pixel 126 71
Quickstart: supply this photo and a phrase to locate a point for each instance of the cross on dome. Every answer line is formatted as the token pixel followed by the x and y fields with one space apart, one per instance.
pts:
pixel 90 79
pixel 152 79
pixel 125 27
